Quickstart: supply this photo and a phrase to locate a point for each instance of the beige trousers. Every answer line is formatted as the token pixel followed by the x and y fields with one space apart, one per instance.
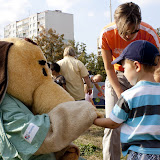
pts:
pixel 111 139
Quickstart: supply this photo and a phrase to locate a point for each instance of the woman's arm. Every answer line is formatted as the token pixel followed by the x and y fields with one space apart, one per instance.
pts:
pixel 107 59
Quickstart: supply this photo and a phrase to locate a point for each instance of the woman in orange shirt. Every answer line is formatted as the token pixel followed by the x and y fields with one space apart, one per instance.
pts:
pixel 127 28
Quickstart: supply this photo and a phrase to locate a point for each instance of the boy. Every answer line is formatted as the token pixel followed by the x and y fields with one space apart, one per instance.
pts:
pixel 57 77
pixel 138 108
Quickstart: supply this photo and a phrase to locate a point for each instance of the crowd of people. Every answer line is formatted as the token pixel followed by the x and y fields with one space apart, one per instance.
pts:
pixel 130 52
pixel 73 76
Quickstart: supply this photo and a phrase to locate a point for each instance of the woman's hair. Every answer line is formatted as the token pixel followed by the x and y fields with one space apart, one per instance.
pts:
pixel 69 51
pixel 127 14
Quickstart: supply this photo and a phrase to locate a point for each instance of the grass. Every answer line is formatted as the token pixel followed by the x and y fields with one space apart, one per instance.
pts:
pixel 90 143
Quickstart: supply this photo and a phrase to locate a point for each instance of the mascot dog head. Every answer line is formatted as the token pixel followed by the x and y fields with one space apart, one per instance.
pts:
pixel 29 78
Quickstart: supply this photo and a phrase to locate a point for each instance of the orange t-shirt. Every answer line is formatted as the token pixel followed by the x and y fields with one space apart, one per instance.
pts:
pixel 111 40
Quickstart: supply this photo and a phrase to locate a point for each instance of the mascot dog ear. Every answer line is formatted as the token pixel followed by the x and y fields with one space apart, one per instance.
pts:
pixel 29 40
pixel 4 48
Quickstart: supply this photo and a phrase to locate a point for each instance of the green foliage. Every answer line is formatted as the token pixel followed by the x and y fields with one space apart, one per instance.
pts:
pixel 100 67
pixel 92 63
pixel 51 44
pixel 87 149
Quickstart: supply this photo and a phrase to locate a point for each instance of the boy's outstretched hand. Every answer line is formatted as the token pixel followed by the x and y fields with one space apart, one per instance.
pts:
pixel 106 123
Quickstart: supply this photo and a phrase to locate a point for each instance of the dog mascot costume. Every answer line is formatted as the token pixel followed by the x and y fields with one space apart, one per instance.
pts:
pixel 38 118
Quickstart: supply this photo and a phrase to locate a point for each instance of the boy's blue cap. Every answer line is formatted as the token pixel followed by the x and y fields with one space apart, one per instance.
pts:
pixel 142 51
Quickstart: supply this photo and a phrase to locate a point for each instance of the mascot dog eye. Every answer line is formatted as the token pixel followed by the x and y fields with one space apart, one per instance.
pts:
pixel 42 62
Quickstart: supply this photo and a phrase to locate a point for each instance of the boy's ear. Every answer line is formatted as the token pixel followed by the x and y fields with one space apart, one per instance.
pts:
pixel 137 66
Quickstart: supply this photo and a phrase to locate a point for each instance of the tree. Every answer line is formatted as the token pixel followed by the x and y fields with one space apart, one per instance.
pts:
pixel 51 43
pixel 91 64
pixel 95 65
pixel 100 67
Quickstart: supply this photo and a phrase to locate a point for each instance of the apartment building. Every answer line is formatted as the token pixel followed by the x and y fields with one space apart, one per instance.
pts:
pixel 30 27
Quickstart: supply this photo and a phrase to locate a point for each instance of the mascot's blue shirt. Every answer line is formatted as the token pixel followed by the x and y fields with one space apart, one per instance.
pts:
pixel 21 132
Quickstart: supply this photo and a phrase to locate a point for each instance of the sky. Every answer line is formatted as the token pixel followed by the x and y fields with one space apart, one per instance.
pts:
pixel 90 16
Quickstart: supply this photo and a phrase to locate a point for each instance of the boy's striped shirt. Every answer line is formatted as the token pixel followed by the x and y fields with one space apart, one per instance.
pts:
pixel 139 111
